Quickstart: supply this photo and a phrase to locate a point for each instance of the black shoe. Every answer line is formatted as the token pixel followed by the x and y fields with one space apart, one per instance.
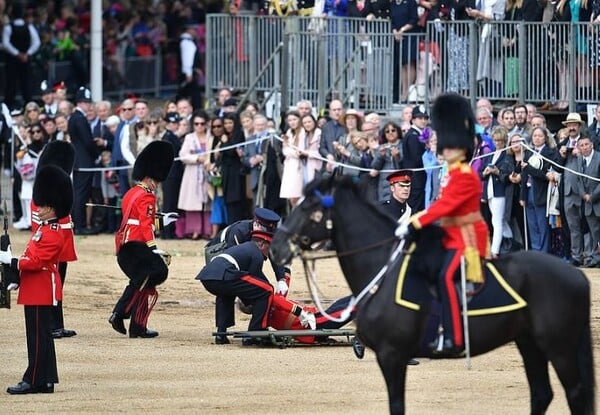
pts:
pixel 358 348
pixel 145 334
pixel 575 262
pixel 60 333
pixel 413 362
pixel 84 231
pixel 221 339
pixel 116 321
pixel 449 351
pixel 23 388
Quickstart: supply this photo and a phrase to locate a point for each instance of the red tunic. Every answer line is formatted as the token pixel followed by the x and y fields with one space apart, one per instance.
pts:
pixel 40 282
pixel 139 204
pixel 458 205
pixel 68 253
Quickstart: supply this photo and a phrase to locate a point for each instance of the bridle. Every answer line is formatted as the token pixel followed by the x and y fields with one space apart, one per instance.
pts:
pixel 309 258
pixel 295 240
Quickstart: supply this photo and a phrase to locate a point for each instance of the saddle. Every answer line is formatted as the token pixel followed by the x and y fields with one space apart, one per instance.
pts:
pixel 492 296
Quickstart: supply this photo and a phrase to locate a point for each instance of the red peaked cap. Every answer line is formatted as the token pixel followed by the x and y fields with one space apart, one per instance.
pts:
pixel 403 176
pixel 265 236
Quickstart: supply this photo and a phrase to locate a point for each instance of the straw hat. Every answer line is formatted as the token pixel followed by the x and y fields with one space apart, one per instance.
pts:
pixel 573 117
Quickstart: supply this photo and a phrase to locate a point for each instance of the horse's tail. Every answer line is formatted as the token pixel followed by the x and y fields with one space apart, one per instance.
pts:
pixel 585 361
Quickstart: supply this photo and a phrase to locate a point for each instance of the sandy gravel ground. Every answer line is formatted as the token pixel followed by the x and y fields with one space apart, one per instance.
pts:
pixel 181 371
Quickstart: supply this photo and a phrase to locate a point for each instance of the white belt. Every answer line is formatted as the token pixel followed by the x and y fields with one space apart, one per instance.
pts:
pixel 227 258
pixel 66 226
pixel 133 222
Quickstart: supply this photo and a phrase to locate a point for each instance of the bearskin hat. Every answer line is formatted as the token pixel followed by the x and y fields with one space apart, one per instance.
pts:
pixel 454 122
pixel 52 187
pixel 58 153
pixel 154 161
pixel 137 261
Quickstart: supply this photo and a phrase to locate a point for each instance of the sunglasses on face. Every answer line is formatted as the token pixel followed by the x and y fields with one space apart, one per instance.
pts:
pixel 217 126
pixel 36 131
pixel 199 123
pixel 393 130
pixel 152 122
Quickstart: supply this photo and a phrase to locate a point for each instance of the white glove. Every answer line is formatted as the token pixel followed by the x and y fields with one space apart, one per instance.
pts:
pixel 308 319
pixel 12 286
pixel 169 218
pixel 6 256
pixel 164 255
pixel 282 287
pixel 402 230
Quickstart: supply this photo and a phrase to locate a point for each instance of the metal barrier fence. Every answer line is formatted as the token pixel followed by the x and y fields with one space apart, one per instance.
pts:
pixel 362 64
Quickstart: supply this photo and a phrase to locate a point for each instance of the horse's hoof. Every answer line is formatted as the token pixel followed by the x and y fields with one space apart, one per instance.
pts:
pixel 358 348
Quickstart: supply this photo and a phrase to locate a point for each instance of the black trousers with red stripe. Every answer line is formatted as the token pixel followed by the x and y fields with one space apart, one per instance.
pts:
pixel 334 310
pixel 41 355
pixel 251 290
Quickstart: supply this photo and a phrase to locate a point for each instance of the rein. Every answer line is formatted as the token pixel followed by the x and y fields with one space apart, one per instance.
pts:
pixel 308 255
pixel 371 287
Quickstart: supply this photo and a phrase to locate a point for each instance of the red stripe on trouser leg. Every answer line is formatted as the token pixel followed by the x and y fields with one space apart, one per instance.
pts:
pixel 265 285
pixel 453 299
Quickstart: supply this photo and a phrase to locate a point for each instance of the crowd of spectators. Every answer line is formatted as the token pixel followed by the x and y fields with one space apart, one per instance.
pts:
pixel 231 161
pixel 131 28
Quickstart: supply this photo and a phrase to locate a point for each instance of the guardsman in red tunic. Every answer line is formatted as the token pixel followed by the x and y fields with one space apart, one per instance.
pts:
pixel 61 154
pixel 136 231
pixel 458 211
pixel 39 283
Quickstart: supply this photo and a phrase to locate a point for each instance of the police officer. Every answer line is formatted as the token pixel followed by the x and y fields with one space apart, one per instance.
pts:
pixel 237 272
pixel 240 232
pixel 39 286
pixel 397 205
pixel 141 261
pixel 458 211
pixel 172 183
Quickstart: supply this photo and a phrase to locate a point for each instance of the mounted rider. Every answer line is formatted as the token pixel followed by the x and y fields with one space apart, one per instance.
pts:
pixel 458 211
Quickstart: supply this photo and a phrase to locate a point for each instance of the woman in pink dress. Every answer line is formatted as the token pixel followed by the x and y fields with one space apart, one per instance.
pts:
pixel 293 145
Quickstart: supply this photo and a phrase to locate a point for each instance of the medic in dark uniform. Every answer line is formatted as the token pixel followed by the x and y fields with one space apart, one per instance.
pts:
pixel 458 211
pixel 38 281
pixel 397 206
pixel 237 272
pixel 61 154
pixel 140 260
pixel 240 232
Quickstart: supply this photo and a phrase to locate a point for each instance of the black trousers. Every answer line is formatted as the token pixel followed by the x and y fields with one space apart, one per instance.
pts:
pixel 17 73
pixel 82 191
pixel 41 355
pixel 251 290
pixel 58 321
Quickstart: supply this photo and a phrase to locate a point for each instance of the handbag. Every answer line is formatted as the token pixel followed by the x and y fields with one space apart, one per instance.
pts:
pixel 26 166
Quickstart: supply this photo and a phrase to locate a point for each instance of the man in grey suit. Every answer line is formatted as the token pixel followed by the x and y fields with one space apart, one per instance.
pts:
pixel 255 154
pixel 571 186
pixel 589 162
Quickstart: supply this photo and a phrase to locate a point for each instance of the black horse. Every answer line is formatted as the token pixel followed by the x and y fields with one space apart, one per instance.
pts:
pixel 553 327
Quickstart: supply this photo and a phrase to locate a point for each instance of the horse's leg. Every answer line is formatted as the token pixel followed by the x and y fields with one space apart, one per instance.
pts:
pixel 393 366
pixel 536 368
pixel 566 367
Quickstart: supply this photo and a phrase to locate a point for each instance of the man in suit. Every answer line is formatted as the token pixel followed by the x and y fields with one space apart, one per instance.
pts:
pixel 571 186
pixel 594 129
pixel 589 162
pixel 85 154
pixel 121 151
pixel 254 154
pixel 49 103
pixel 413 148
pixel 332 131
